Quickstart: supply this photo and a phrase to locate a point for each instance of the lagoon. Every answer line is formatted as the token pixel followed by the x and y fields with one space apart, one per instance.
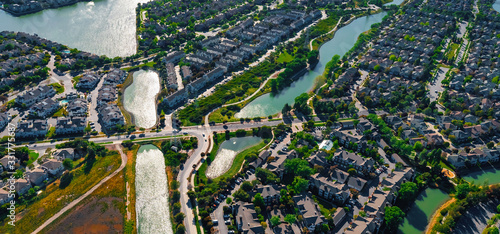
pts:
pixel 140 98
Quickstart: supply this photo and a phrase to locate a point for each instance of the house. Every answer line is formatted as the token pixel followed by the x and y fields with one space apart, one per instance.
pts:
pixel 65 153
pixel 327 188
pixel 106 94
pixel 434 139
pixel 356 183
pixel 4 196
pixel 44 108
pixel 115 77
pixel 174 57
pixel 339 217
pixel 177 98
pixel 88 81
pixel 32 129
pixel 460 136
pixel 318 159
pixel 408 134
pixel 22 186
pixel 35 95
pixel 278 165
pixel 270 193
pixel 36 176
pixel 247 220
pixel 53 166
pixel 77 107
pixel 347 160
pixel 310 211
pixel 74 125
pixel 261 159
pixel 186 73
pixel 110 115
pixel 9 163
pixel 4 120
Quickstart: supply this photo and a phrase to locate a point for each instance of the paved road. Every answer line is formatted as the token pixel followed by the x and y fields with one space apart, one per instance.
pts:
pixel 78 200
pixel 435 85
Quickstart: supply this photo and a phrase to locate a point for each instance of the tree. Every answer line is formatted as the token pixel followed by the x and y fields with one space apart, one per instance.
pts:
pixel 462 190
pixel 179 217
pixel 298 167
pixel 275 221
pixel 290 219
pixel 393 217
pixel 408 192
pixel 68 164
pixel 88 129
pixel 247 186
pixel 299 184
pixel 258 200
pixel 352 171
pixel 490 144
pixel 241 195
pixel 418 146
pixel 265 176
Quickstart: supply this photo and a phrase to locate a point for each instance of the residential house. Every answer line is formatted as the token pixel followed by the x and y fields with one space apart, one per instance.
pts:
pixel 22 186
pixel 270 193
pixel 110 115
pixel 4 120
pixel 53 166
pixel 77 107
pixel 5 197
pixel 310 211
pixel 44 108
pixel 347 160
pixel 329 189
pixel 65 153
pixel 9 163
pixel 74 125
pixel 88 81
pixel 356 183
pixel 246 218
pixel 32 129
pixel 36 176
pixel 35 95
pixel 278 165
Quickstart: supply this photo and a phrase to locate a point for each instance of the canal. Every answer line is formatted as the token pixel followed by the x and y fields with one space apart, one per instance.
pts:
pixel 139 98
pixel 340 44
pixel 103 27
pixel 420 213
pixel 227 152
pixel 151 186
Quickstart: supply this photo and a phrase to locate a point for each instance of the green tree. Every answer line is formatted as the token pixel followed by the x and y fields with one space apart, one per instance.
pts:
pixel 68 164
pixel 352 171
pixel 408 192
pixel 462 190
pixel 247 186
pixel 241 195
pixel 490 144
pixel 258 200
pixel 298 167
pixel 275 221
pixel 393 217
pixel 300 185
pixel 290 219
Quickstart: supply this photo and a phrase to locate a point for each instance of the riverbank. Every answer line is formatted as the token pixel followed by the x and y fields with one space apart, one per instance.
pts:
pixel 129 118
pixel 31 8
pixel 435 215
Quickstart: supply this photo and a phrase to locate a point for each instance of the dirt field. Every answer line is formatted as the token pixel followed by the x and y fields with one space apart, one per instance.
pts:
pixel 103 212
pixel 97 216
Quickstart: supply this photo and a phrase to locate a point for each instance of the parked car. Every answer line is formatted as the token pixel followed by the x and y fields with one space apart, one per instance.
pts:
pixel 215 222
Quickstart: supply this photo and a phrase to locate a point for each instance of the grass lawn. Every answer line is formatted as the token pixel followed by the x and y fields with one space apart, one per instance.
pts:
pixel 148 64
pixel 54 198
pixel 75 80
pixel 58 87
pixel 60 113
pixel 33 157
pixel 284 57
pixel 452 52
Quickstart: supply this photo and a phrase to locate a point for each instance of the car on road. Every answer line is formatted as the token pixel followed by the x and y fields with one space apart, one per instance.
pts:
pixel 142 135
pixel 226 216
pixel 227 222
pixel 194 165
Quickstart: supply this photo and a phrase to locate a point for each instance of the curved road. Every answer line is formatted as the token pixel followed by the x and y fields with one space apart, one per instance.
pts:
pixel 78 200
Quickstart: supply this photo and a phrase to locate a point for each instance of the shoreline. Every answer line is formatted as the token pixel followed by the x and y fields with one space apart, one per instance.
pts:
pixel 19 14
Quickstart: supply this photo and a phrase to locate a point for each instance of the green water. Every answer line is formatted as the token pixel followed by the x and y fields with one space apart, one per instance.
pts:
pixel 419 214
pixel 104 27
pixel 240 143
pixel 490 176
pixel 340 44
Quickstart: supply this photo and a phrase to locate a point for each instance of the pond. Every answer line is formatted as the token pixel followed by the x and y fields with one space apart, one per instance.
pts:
pixel 496 5
pixel 140 98
pixel 491 175
pixel 340 44
pixel 104 27
pixel 151 186
pixel 422 210
pixel 227 152
pixel 394 2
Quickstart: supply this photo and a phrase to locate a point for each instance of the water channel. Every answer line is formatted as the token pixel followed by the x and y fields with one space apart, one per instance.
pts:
pixel 422 210
pixel 341 43
pixel 140 98
pixel 103 27
pixel 151 186
pixel 227 152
